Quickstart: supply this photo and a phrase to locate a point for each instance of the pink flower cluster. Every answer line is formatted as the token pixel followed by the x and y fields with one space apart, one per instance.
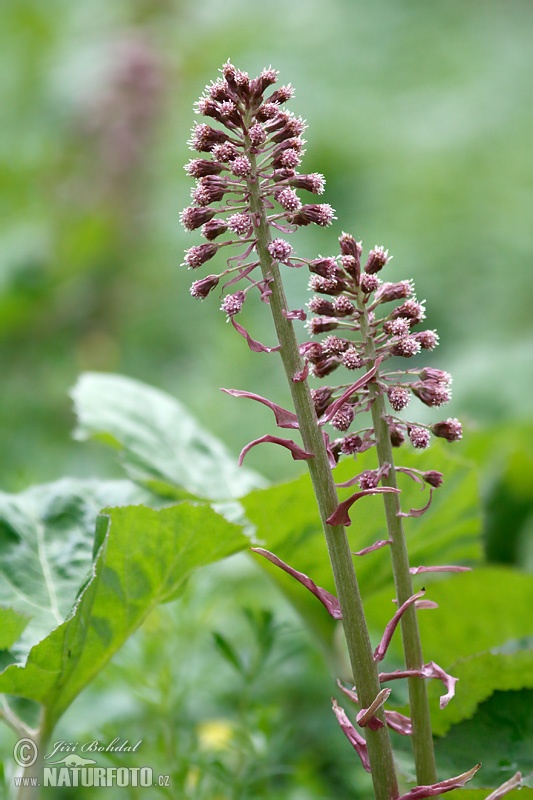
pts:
pixel 251 143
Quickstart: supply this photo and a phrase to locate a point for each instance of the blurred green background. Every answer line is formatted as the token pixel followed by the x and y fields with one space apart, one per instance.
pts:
pixel 419 115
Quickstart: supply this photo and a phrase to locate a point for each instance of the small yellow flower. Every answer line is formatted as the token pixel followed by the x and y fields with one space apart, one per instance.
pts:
pixel 214 734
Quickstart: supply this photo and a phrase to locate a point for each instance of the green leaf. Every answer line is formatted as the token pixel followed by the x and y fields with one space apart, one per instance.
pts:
pixel 500 735
pixel 161 444
pixel 287 522
pixel 479 676
pixel 228 652
pixel 145 558
pixel 12 624
pixel 481 794
pixel 46 546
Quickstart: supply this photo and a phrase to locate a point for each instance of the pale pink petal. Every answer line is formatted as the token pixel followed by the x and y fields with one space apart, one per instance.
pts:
pixel 399 723
pixel 399 673
pixel 376 546
pixel 355 739
pixel 432 670
pixel 350 693
pixel 340 515
pixel 298 313
pixel 420 792
pixel 513 783
pixel 257 347
pixel 302 374
pixel 298 453
pixel 328 600
pixel 418 570
pixel 381 649
pixel 367 716
pixel 284 418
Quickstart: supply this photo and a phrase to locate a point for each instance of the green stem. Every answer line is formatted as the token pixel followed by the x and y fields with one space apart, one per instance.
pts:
pixel 355 628
pixel 422 734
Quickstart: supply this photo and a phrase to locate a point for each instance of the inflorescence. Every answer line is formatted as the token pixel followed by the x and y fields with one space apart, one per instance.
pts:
pixel 254 142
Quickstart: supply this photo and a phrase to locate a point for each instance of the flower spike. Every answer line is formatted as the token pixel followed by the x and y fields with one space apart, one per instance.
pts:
pixel 248 197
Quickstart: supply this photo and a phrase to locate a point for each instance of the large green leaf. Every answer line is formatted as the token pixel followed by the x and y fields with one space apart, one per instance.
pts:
pixel 144 559
pixel 12 624
pixel 500 735
pixel 46 546
pixel 287 522
pixel 161 444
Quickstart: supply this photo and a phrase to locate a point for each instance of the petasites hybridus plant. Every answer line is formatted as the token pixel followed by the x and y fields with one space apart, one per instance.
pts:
pixel 246 202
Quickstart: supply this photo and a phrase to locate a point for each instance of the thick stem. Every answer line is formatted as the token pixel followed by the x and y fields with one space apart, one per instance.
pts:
pixel 422 733
pixel 359 647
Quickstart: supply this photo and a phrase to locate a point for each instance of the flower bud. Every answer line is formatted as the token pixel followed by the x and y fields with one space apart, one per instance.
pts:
pixel 192 218
pixel 321 214
pixel 324 366
pixel 198 255
pixel 369 283
pixel 349 247
pixel 430 374
pixel 419 437
pixel 314 182
pixel 377 258
pixel 257 134
pixel 428 339
pixel 214 228
pixel 343 307
pixel 343 418
pixel 233 303
pixel 411 310
pixel 450 429
pixel 399 397
pixel 406 347
pixel 396 436
pixel 431 393
pixel 388 292
pixel 280 250
pixel 351 359
pixel 200 167
pixel 200 289
pixel 325 267
pixel 241 224
pixel 288 199
pixel 321 399
pixel 368 479
pixel 204 138
pixel 351 444
pixel 319 305
pixel 433 477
